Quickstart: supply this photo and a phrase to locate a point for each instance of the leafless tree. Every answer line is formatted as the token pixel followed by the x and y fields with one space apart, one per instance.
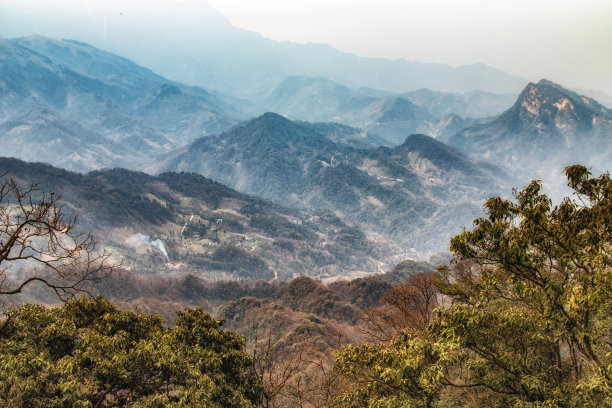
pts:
pixel 301 375
pixel 319 383
pixel 38 245
pixel 409 305
pixel 276 371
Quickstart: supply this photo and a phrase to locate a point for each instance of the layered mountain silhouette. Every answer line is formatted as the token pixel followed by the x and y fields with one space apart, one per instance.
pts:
pixel 82 108
pixel 547 128
pixel 206 50
pixel 385 116
pixel 366 160
pixel 418 193
pixel 185 223
pixel 474 104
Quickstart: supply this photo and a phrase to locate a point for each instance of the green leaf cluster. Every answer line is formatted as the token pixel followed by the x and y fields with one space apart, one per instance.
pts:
pixel 88 353
pixel 527 320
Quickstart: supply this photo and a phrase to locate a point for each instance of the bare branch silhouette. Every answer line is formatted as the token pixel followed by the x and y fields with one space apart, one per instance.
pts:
pixel 34 236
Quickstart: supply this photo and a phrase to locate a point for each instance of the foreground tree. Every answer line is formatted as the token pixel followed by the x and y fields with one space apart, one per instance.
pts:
pixel 530 316
pixel 35 237
pixel 298 375
pixel 87 353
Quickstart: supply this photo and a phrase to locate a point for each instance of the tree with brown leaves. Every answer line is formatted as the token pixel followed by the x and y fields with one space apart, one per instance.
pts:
pixel 407 306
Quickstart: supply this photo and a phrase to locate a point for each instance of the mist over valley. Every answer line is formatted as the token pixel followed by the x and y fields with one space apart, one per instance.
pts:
pixel 383 163
pixel 194 214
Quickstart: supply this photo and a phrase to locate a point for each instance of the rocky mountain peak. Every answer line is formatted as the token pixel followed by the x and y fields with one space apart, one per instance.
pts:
pixel 546 107
pixel 548 98
pixel 547 128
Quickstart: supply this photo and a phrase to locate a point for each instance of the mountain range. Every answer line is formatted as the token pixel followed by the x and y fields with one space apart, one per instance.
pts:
pixel 369 162
pixel 83 108
pixel 177 223
pixel 418 193
pixel 206 50
pixel 387 116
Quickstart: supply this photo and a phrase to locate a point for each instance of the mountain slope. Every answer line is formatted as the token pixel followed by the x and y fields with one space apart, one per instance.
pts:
pixel 417 194
pixel 383 115
pixel 82 108
pixel 475 104
pixel 206 50
pixel 178 223
pixel 547 128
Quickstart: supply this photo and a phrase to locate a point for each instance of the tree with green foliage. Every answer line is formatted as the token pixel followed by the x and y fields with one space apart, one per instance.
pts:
pixel 528 321
pixel 88 353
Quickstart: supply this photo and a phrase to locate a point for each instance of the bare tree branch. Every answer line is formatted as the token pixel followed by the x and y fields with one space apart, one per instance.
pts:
pixel 34 236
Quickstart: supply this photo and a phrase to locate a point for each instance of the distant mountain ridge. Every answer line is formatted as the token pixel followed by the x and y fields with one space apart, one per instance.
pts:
pixel 82 108
pixel 208 51
pixel 384 116
pixel 302 97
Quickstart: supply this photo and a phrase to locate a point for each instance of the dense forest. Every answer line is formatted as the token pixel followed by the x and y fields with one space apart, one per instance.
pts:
pixel 522 317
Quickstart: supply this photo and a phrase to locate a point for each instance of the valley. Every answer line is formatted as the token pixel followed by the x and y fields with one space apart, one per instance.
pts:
pixel 182 223
pixel 373 160
pixel 281 224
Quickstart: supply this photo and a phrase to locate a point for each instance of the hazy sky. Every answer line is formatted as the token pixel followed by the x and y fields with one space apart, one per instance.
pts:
pixel 567 41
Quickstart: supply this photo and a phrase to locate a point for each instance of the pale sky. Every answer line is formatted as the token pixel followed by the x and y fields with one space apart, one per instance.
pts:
pixel 567 41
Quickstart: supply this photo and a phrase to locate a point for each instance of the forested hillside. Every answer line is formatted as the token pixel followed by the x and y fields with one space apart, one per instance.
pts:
pixel 177 223
pixel 417 194
pixel 83 109
pixel 196 215
pixel 520 319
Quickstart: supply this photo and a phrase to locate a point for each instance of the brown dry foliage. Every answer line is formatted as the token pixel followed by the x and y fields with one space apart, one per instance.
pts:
pixel 407 306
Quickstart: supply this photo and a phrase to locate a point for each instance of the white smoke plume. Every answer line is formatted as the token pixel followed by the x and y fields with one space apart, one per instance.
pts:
pixel 139 238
